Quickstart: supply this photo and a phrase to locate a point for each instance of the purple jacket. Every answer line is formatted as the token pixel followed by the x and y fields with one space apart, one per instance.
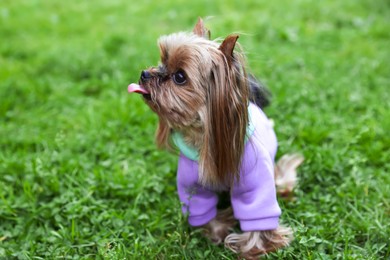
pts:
pixel 253 198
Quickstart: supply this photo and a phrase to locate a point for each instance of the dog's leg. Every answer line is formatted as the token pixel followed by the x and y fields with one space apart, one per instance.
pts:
pixel 254 243
pixel 218 228
pixel 285 173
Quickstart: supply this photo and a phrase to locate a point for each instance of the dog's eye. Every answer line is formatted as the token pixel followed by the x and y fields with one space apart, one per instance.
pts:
pixel 179 77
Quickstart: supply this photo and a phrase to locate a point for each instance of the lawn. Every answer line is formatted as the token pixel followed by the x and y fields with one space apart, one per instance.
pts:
pixel 81 178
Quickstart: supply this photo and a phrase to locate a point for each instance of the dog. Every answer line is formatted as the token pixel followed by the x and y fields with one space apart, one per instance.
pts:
pixel 210 108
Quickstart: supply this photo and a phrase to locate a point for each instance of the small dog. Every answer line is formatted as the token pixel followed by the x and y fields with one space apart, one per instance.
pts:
pixel 211 109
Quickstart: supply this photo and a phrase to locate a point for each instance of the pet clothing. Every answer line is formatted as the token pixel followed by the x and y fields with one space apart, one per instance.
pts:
pixel 253 197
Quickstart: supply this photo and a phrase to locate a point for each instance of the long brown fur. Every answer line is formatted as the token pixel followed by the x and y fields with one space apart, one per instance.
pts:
pixel 227 119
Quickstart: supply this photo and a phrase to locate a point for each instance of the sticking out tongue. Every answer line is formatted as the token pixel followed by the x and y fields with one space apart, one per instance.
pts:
pixel 135 88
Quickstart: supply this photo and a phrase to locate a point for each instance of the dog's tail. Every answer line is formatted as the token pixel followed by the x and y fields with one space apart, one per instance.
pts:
pixel 259 94
pixel 286 174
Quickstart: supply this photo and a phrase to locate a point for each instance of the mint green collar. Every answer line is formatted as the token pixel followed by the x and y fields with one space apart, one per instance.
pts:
pixel 192 153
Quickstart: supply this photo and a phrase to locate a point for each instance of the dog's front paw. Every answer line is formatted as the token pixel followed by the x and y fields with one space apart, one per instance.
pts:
pixel 219 228
pixel 254 243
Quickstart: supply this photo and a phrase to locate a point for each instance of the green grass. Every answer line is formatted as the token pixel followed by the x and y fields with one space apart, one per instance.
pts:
pixel 80 177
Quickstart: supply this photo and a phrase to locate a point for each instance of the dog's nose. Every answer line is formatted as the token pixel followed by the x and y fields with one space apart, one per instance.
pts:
pixel 145 75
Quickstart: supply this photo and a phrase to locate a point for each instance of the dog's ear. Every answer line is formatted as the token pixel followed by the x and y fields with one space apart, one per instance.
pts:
pixel 227 47
pixel 201 30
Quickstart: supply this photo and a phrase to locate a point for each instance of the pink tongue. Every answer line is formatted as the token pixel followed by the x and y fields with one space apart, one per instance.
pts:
pixel 137 89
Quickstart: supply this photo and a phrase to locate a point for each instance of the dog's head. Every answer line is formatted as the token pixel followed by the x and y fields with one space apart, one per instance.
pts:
pixel 200 86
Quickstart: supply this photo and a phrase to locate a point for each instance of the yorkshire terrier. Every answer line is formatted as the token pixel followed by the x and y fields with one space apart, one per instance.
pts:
pixel 210 108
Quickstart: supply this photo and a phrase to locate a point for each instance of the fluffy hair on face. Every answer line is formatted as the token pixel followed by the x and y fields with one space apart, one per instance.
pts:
pixel 201 89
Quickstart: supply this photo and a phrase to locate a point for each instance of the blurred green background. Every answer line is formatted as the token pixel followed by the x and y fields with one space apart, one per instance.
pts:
pixel 80 177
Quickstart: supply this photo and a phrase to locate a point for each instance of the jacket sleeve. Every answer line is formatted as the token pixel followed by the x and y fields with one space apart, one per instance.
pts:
pixel 254 195
pixel 198 203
